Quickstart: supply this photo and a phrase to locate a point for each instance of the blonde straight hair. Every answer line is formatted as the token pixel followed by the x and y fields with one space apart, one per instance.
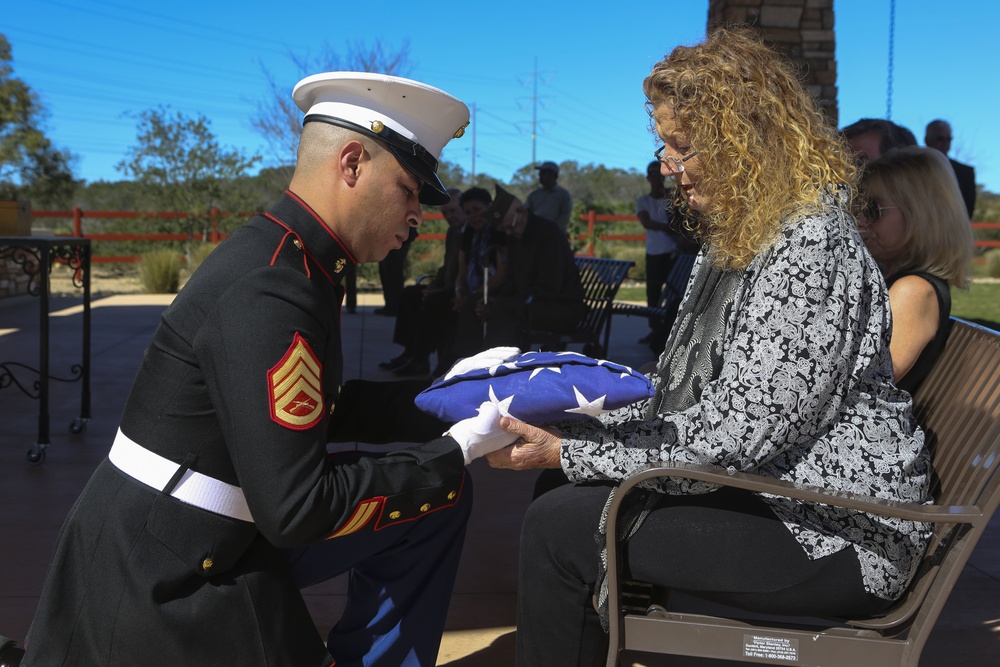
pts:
pixel 938 237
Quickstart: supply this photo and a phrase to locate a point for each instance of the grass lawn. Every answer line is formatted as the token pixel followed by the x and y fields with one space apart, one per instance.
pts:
pixel 981 303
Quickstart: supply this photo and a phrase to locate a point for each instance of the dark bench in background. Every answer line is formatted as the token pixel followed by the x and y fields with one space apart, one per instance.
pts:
pixel 663 313
pixel 601 279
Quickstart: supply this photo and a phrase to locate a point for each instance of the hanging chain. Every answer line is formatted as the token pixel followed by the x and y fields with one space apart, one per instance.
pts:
pixel 892 43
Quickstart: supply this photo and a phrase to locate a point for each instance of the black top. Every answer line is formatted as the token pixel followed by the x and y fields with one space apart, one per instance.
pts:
pixel 912 380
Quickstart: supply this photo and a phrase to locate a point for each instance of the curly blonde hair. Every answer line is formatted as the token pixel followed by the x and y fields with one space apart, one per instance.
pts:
pixel 765 148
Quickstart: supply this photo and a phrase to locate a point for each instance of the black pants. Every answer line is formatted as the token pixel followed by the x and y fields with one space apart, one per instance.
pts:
pixel 425 321
pixel 726 546
pixel 391 273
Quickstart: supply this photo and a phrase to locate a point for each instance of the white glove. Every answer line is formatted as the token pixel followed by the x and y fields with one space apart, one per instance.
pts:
pixel 482 434
pixel 485 359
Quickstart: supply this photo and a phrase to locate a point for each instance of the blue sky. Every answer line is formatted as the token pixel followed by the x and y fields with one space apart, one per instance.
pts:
pixel 94 62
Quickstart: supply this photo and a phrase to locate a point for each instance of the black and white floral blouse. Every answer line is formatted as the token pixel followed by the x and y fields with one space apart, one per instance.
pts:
pixel 783 369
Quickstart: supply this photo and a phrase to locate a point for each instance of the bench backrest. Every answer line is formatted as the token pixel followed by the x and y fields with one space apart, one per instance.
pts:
pixel 677 280
pixel 601 279
pixel 958 406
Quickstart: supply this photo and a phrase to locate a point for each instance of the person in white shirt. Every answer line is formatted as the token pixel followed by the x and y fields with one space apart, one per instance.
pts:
pixel 661 246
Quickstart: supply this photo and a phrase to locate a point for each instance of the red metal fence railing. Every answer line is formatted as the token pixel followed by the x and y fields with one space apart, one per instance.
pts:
pixel 587 239
pixel 77 216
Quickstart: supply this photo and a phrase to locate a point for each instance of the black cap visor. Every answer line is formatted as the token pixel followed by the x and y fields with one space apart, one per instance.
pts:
pixel 414 157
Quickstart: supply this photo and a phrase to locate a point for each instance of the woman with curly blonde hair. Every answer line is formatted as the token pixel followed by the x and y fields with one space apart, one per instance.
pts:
pixel 913 219
pixel 765 151
pixel 778 364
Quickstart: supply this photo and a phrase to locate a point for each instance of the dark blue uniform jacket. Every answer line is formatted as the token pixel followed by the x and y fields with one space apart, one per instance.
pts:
pixel 243 376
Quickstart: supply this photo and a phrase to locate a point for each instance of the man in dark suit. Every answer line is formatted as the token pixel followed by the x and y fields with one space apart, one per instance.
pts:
pixel 938 135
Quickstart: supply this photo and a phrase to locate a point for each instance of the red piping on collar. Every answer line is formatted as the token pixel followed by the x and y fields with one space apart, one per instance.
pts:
pixel 305 251
pixel 326 228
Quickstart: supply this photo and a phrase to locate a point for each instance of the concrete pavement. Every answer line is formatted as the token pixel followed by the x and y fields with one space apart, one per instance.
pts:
pixel 34 499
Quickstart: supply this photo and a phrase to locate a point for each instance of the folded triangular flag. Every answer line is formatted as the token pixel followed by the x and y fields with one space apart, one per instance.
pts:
pixel 537 387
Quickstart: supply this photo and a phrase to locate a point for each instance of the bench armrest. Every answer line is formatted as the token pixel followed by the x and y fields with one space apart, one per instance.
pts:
pixel 753 482
pixel 540 299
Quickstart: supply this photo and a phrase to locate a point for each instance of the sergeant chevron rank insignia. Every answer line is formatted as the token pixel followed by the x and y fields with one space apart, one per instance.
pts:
pixel 296 387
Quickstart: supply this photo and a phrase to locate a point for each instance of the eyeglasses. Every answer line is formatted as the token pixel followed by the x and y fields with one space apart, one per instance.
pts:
pixel 871 211
pixel 678 163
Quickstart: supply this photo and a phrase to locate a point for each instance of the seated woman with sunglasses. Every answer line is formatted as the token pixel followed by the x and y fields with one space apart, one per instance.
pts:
pixel 915 225
pixel 778 363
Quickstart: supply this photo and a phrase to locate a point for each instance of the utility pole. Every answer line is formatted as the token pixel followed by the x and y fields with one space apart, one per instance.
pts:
pixel 535 123
pixel 534 109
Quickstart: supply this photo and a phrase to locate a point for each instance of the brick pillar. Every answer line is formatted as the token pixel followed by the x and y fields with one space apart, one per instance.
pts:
pixel 803 30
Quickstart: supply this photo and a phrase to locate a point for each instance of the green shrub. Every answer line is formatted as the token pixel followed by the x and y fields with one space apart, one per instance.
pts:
pixel 634 252
pixel 160 271
pixel 992 258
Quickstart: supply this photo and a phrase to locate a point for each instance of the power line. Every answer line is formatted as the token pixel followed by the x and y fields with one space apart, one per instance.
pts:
pixel 892 49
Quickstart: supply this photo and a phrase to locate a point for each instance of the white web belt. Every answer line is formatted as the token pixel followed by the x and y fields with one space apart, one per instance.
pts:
pixel 193 488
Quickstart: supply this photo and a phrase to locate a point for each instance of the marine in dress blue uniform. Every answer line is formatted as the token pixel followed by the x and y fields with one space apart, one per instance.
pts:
pixel 218 500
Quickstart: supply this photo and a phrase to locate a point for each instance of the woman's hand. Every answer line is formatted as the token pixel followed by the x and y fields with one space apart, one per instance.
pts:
pixel 536 448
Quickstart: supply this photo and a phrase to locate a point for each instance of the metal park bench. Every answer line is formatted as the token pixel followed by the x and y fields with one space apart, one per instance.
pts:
pixel 958 406
pixel 601 279
pixel 670 297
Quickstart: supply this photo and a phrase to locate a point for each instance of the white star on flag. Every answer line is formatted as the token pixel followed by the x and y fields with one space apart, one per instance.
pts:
pixel 536 371
pixel 502 406
pixel 592 408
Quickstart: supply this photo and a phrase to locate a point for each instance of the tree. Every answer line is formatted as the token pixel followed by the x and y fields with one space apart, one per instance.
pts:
pixel 179 166
pixel 30 166
pixel 604 189
pixel 279 121
pixel 454 176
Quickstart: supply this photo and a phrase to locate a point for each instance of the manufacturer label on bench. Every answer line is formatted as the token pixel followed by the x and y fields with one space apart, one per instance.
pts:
pixel 770 648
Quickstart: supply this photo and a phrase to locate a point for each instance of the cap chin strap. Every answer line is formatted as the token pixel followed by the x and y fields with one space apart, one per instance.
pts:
pixel 384 132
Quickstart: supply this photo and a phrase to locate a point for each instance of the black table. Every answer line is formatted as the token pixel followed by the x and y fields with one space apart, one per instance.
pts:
pixel 36 255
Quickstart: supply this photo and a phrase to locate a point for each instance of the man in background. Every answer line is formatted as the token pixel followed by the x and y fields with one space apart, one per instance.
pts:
pixel 551 201
pixel 938 136
pixel 870 137
pixel 661 246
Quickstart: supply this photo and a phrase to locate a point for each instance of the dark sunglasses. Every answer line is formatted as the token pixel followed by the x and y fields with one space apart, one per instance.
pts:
pixel 871 211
